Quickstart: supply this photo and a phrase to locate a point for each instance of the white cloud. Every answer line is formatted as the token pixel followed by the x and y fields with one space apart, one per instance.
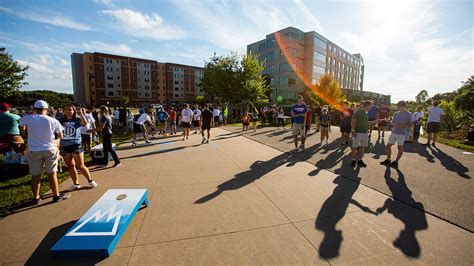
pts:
pixel 314 22
pixel 145 26
pixel 45 59
pixel 97 46
pixel 64 62
pixel 105 2
pixel 59 21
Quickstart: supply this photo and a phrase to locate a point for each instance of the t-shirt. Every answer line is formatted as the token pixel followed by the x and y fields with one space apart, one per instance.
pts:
pixel 41 129
pixel 71 131
pixel 107 121
pixel 299 109
pixel 372 112
pixel 418 116
pixel 9 124
pixel 116 114
pixel 324 119
pixel 281 114
pixel 186 115
pixel 162 116
pixel 245 119
pixel 434 114
pixel 308 118
pixel 197 114
pixel 90 121
pixel 172 114
pixel 347 116
pixel 384 112
pixel 226 111
pixel 143 118
pixel 206 117
pixel 216 112
pixel 131 117
pixel 361 118
pixel 401 118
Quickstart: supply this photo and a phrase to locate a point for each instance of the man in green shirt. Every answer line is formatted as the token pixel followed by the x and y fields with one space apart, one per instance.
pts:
pixel 360 135
pixel 9 129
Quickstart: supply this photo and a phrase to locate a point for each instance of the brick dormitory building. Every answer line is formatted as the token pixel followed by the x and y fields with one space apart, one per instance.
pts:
pixel 100 78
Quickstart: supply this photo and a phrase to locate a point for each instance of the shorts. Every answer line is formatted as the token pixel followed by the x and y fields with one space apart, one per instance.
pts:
pixel 72 149
pixel 162 125
pixel 383 123
pixel 245 123
pixel 186 124
pixel 346 128
pixel 14 142
pixel 398 138
pixel 216 119
pixel 137 128
pixel 325 126
pixel 298 129
pixel 254 119
pixel 86 138
pixel 206 126
pixel 433 127
pixel 38 158
pixel 360 140
pixel 196 123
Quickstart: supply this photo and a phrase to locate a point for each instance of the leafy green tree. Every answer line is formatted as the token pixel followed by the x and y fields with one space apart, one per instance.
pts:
pixel 464 99
pixel 327 88
pixel 235 79
pixel 422 96
pixel 11 75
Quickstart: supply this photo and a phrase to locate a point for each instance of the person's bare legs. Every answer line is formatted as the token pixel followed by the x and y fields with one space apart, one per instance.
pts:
pixel 354 153
pixel 400 152
pixel 71 166
pixel 389 151
pixel 35 185
pixel 53 183
pixel 435 137
pixel 361 152
pixel 296 141
pixel 79 160
pixel 429 137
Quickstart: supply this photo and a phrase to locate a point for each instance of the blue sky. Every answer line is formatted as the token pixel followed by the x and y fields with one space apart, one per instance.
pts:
pixel 407 45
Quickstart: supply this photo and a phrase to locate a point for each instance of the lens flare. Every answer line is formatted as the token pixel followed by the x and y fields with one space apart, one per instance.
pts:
pixel 292 62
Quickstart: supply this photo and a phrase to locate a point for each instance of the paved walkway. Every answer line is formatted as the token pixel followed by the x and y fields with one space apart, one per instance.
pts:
pixel 236 201
pixel 440 177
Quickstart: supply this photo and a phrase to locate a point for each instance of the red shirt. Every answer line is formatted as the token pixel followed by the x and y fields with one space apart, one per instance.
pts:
pixel 245 119
pixel 172 114
pixel 308 117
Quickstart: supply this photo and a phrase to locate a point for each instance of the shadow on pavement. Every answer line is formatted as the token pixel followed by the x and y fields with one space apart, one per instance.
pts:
pixel 165 150
pixel 333 210
pixel 450 163
pixel 41 255
pixel 413 219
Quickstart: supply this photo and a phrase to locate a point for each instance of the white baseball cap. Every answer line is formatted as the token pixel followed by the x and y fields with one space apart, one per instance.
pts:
pixel 40 104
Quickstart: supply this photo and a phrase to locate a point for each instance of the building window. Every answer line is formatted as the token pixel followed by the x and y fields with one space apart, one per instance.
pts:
pixel 110 93
pixel 261 58
pixel 270 56
pixel 261 47
pixel 110 85
pixel 283 80
pixel 287 67
pixel 176 89
pixel 269 69
pixel 320 43
pixel 319 56
pixel 271 43
pixel 176 95
pixel 291 36
pixel 110 77
pixel 319 70
pixel 176 82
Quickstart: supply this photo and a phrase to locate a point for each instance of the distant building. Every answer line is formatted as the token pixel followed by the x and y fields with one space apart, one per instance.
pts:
pixel 310 55
pixel 100 78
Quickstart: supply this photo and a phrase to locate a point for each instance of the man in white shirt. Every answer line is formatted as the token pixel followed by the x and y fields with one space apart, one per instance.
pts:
pixel 139 126
pixel 88 130
pixel 434 123
pixel 417 119
pixel 197 118
pixel 42 148
pixel 216 112
pixel 186 118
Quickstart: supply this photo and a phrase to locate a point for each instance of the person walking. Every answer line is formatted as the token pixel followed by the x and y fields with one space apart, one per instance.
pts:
pixel 417 121
pixel 346 120
pixel 382 114
pixel 42 149
pixel 281 117
pixel 197 118
pixel 116 115
pixel 71 145
pixel 88 130
pixel 298 112
pixel 325 125
pixel 317 113
pixel 360 135
pixel 254 116
pixel 207 123
pixel 106 129
pixel 186 118
pixel 225 113
pixel 402 120
pixel 140 127
pixel 434 123
pixel 130 119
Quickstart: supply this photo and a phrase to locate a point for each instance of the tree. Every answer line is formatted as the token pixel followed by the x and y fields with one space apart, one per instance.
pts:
pixel 328 90
pixel 12 75
pixel 464 99
pixel 125 100
pixel 422 96
pixel 235 79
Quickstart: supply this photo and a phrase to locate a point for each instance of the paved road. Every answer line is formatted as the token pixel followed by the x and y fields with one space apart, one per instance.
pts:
pixel 439 177
pixel 236 201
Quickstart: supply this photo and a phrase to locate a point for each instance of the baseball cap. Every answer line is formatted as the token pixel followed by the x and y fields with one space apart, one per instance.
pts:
pixel 40 104
pixel 5 106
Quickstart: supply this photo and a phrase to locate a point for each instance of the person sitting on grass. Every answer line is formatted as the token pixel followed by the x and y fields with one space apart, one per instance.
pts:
pixel 71 146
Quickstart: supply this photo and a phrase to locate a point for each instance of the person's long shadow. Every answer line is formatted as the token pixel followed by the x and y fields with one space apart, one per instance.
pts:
pixel 333 210
pixel 378 149
pixel 414 218
pixel 422 150
pixel 450 163
pixel 330 161
pixel 259 169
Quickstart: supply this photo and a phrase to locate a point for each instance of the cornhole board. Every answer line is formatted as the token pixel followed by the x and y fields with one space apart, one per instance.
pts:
pixel 98 231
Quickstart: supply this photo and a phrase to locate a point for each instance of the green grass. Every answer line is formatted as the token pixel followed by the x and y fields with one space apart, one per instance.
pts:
pixel 456 144
pixel 16 193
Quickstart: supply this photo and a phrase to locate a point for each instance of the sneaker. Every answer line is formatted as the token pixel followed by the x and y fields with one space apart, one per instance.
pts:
pixel 148 141
pixel 102 165
pixel 361 163
pixel 301 147
pixel 353 163
pixel 342 144
pixel 207 141
pixel 386 162
pixel 117 165
pixel 394 164
pixel 61 197
pixel 93 184
pixel 134 143
pixel 36 201
pixel 74 187
pixel 203 140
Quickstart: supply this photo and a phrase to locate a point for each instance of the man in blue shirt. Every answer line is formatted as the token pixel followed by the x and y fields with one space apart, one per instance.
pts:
pixel 298 112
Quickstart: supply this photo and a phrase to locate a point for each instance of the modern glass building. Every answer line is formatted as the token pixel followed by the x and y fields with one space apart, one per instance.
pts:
pixel 294 58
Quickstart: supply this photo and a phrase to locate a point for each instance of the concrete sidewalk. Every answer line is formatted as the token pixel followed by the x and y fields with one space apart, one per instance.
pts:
pixel 236 201
pixel 440 177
